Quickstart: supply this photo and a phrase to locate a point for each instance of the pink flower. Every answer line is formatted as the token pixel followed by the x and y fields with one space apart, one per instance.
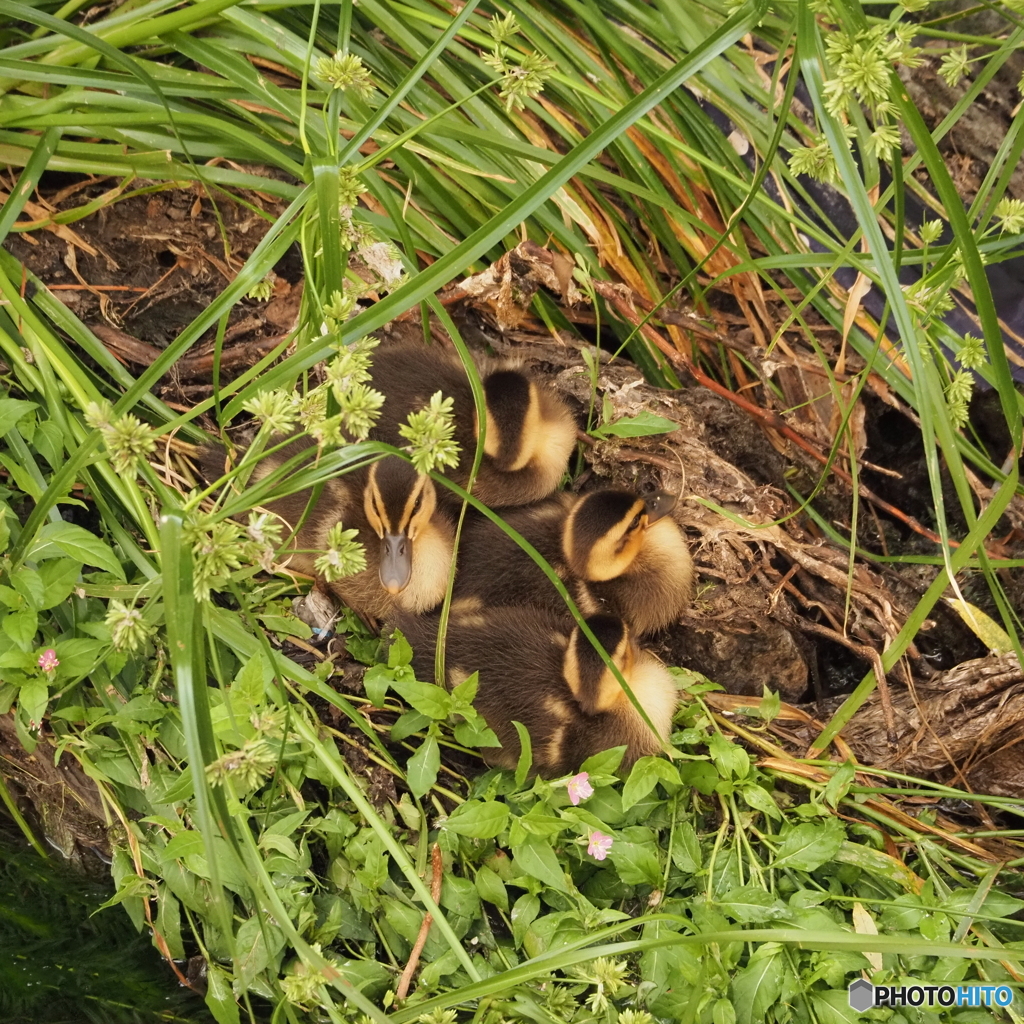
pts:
pixel 599 846
pixel 48 660
pixel 580 788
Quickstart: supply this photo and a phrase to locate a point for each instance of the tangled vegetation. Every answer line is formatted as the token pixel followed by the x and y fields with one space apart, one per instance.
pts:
pixel 295 835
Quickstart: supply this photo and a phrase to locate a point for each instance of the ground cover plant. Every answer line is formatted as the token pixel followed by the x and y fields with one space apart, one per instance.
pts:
pixel 282 823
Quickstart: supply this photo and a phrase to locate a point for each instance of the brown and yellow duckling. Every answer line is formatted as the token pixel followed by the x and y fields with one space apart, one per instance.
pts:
pixel 408 538
pixel 530 431
pixel 616 552
pixel 536 670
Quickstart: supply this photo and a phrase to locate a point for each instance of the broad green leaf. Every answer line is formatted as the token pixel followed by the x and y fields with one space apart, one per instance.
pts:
pixel 79 543
pixel 701 775
pixel 839 785
pixel 729 756
pixel 758 986
pixel 637 863
pixel 12 410
pixel 423 766
pixel 376 682
pixel 641 425
pixel 399 653
pixel 21 627
pixel 686 853
pixel 810 845
pixel 32 699
pixel 751 904
pixel 29 584
pixel 219 997
pixel 524 913
pixel 407 724
pixel 644 776
pixel 538 860
pixel 183 845
pixel 525 753
pixel 479 819
pixel 605 763
pixel 491 887
pixel 78 656
pixel 427 698
pixel 761 800
pixel 59 576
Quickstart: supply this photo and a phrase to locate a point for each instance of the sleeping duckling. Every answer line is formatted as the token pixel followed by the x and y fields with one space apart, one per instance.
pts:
pixel 408 538
pixel 617 553
pixel 530 431
pixel 535 670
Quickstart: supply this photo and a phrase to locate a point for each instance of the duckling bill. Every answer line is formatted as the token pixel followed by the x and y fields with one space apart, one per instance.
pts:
pixel 618 554
pixel 536 671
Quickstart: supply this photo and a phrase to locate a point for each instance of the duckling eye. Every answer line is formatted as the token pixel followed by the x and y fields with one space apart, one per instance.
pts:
pixel 418 504
pixel 636 521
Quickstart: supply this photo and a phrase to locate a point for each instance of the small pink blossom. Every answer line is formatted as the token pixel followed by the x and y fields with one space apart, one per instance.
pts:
pixel 579 788
pixel 599 846
pixel 48 660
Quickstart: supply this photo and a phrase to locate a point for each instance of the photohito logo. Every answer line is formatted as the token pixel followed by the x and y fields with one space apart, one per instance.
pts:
pixel 865 996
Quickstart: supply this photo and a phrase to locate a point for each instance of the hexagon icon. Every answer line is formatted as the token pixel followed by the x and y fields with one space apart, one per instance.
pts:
pixel 862 995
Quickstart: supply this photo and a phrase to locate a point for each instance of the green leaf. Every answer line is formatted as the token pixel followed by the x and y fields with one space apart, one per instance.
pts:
pixel 730 757
pixel 644 776
pixel 751 904
pixel 79 543
pixel 21 627
pixel 605 763
pixel 637 863
pixel 538 860
pixel 407 724
pixel 219 997
pixel 59 576
pixel 524 913
pixel 427 698
pixel 525 753
pixel 399 653
pixel 491 888
pixel 184 844
pixel 376 682
pixel 474 732
pixel 12 410
pixel 839 785
pixel 32 699
pixel 701 775
pixel 757 987
pixel 421 771
pixel 29 584
pixel 641 425
pixel 78 656
pixel 761 800
pixel 465 693
pixel 686 853
pixel 479 819
pixel 810 845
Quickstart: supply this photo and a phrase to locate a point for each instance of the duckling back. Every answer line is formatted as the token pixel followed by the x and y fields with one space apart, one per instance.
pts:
pixel 536 671
pixel 530 431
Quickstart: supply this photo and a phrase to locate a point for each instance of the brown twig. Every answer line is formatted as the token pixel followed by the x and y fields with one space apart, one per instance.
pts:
pixel 437 862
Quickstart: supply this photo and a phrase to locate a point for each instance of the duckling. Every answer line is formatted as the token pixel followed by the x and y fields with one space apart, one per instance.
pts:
pixel 535 670
pixel 530 431
pixel 408 538
pixel 616 552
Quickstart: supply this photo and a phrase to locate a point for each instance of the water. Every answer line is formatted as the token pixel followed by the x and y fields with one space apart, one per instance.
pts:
pixel 59 965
